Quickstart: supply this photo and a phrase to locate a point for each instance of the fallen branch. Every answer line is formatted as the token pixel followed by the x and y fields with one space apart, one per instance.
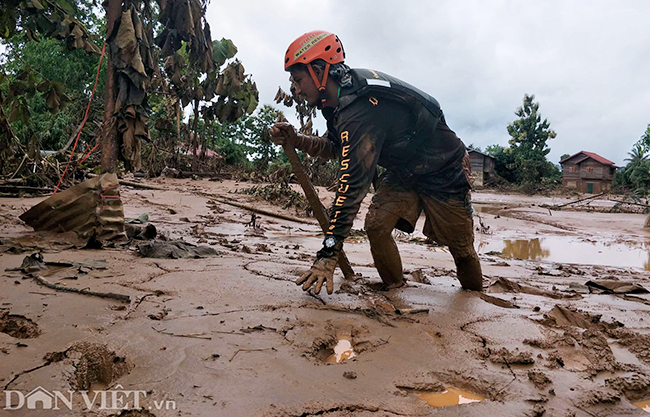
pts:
pixel 249 350
pixel 141 185
pixel 191 336
pixel 72 138
pixel 578 201
pixel 222 332
pixel 17 188
pixel 48 284
pixel 630 202
pixel 137 304
pixel 135 184
pixel 19 166
pixel 262 211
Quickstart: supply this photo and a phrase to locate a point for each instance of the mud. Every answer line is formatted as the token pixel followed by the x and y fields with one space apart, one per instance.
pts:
pixel 18 326
pixel 93 365
pixel 232 335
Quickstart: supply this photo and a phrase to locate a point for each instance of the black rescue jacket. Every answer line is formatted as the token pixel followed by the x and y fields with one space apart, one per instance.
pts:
pixel 384 121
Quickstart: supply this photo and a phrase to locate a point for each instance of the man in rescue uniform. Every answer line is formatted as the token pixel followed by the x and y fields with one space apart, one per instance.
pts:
pixel 375 119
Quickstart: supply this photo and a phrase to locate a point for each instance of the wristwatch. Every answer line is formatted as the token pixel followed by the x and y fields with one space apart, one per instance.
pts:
pixel 331 246
pixel 330 242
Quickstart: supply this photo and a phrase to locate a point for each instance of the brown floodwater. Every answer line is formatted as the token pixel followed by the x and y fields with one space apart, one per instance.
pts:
pixel 342 351
pixel 450 396
pixel 566 249
pixel 644 405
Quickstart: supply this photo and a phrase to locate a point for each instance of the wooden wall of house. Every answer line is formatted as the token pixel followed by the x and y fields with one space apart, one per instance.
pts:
pixel 588 172
pixel 478 161
pixel 489 165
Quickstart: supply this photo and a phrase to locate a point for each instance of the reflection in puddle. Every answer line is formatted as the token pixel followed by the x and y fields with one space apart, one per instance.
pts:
pixel 566 249
pixel 450 396
pixel 98 386
pixel 644 405
pixel 623 355
pixel 525 249
pixel 342 351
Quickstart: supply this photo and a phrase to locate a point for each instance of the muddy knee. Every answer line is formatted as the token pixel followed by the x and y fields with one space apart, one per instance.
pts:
pixel 379 224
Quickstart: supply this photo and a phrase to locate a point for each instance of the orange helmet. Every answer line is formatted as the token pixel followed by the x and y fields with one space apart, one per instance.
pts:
pixel 312 46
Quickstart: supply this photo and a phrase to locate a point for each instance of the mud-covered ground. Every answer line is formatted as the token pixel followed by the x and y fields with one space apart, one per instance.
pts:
pixel 232 335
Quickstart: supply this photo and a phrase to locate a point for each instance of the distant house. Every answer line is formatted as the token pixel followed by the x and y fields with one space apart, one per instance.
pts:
pixel 482 167
pixel 588 172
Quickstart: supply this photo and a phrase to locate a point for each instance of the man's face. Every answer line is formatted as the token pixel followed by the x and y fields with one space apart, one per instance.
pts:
pixel 304 85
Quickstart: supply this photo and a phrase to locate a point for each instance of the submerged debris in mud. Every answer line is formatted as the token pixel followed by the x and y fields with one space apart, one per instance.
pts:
pixel 174 250
pixel 18 326
pixel 507 357
pixel 419 277
pixel 599 396
pixel 93 363
pixel 615 287
pixel 504 285
pixel 566 316
pixel 635 388
pixel 539 379
pixel 281 194
pixel 434 386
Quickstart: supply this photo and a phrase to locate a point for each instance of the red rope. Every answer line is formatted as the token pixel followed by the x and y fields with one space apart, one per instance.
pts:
pixel 87 154
pixel 83 123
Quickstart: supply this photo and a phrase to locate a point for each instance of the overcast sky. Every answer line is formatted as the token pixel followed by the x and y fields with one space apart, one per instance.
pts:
pixel 586 61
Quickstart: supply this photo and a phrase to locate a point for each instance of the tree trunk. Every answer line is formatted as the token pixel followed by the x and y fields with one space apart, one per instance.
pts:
pixel 195 138
pixel 109 135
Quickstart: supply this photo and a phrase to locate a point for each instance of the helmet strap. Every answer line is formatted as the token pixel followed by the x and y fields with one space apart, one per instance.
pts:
pixel 319 84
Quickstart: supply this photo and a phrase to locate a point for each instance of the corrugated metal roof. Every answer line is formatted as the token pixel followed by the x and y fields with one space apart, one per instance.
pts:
pixel 587 155
pixel 470 151
pixel 92 207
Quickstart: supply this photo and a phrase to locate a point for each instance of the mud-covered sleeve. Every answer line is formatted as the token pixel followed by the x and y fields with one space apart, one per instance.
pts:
pixel 361 138
pixel 321 147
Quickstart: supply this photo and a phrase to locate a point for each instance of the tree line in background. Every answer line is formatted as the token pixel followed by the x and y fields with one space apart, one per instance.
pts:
pixel 523 163
pixel 49 66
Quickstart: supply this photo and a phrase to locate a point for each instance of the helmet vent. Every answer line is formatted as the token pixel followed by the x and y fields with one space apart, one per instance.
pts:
pixel 338 50
pixel 328 47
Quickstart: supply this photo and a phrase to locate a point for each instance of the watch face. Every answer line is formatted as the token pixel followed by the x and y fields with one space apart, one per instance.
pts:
pixel 330 242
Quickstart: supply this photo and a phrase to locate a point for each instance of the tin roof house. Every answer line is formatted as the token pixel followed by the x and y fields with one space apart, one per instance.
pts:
pixel 588 172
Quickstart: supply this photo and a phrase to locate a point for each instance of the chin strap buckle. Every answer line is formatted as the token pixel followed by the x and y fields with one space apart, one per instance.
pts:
pixel 319 84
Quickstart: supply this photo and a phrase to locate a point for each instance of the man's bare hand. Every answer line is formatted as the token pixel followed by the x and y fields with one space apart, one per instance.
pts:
pixel 321 271
pixel 282 133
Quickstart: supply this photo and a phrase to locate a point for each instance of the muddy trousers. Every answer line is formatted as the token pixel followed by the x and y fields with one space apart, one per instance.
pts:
pixel 441 220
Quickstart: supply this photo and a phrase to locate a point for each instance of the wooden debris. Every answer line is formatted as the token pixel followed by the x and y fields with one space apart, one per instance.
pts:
pixel 262 211
pixel 249 350
pixel 556 207
pixel 48 284
pixel 191 335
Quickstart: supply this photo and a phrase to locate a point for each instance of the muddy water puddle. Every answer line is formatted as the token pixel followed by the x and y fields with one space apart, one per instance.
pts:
pixel 342 351
pixel 565 249
pixel 450 396
pixel 644 405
